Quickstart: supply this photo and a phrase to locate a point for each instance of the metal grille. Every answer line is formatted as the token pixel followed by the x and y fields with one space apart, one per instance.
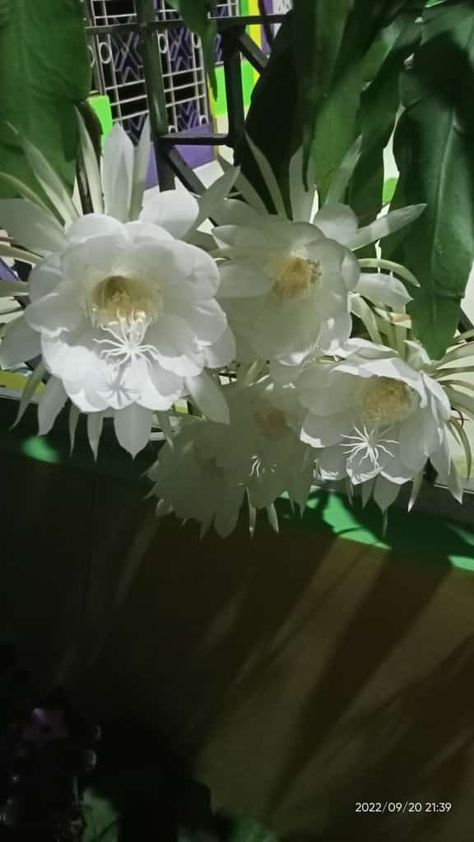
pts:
pixel 118 67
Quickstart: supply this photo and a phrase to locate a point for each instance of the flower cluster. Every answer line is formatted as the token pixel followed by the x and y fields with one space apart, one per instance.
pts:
pixel 271 356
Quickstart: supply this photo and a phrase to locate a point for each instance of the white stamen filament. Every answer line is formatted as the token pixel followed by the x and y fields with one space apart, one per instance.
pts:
pixel 369 443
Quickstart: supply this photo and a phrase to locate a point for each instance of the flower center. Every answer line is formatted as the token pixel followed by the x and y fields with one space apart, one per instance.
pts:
pixel 271 423
pixel 119 300
pixel 295 276
pixel 386 401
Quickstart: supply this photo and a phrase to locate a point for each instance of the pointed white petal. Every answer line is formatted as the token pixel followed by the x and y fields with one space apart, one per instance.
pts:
pixel 302 199
pixel 383 289
pixel 91 166
pixel 12 288
pixel 385 225
pixel 140 170
pixel 95 423
pixel 246 189
pixel 50 405
pixel 133 427
pixel 174 210
pixel 19 344
pixel 52 185
pixel 268 176
pixel 221 352
pixel 215 195
pixel 30 226
pixel 24 190
pixel 27 395
pixel 93 225
pixel 117 173
pixel 338 222
pixel 209 397
pixel 73 420
pixel 385 492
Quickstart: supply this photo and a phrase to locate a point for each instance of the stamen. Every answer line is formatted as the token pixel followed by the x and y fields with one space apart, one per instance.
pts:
pixel 385 400
pixel 295 277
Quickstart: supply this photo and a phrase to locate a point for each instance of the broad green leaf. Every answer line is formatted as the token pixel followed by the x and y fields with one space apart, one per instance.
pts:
pixel 101 818
pixel 380 102
pixel 247 830
pixel 331 71
pixel 44 68
pixel 195 14
pixel 328 97
pixel 434 149
pixel 273 120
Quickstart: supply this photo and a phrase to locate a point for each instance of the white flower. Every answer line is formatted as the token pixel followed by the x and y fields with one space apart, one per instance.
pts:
pixel 287 278
pixel 375 417
pixel 123 314
pixel 208 470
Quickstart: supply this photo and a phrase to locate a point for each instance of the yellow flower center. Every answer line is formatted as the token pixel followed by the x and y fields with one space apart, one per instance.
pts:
pixel 295 276
pixel 271 423
pixel 118 299
pixel 385 401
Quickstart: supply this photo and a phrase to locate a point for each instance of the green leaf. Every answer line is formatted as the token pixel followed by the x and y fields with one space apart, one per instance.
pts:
pixel 247 830
pixel 434 150
pixel 102 820
pixel 328 96
pixel 44 68
pixel 195 14
pixel 380 103
pixel 273 120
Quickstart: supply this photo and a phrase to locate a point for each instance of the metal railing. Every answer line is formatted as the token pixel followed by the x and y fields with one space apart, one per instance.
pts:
pixel 236 44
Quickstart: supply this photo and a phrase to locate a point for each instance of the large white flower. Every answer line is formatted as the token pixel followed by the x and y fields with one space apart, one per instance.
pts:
pixel 288 278
pixel 122 313
pixel 374 416
pixel 208 469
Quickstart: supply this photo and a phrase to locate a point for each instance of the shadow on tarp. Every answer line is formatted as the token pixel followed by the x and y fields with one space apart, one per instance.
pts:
pixel 414 534
pixel 217 623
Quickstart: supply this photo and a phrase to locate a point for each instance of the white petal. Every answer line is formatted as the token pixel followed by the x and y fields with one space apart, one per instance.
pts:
pixel 187 271
pixel 338 222
pixel 206 318
pixel 235 212
pixel 175 343
pixel 51 402
pixel 221 352
pixel 140 169
pixel 174 210
pixel 30 226
pixel 383 289
pixel 70 359
pixel 213 197
pixel 321 432
pixel 44 277
pixel 133 427
pixel 238 280
pixel 209 397
pixel 54 313
pixel 228 512
pixel 142 232
pixel 93 225
pixel 337 396
pixel 156 388
pixel 441 399
pixel 13 288
pixel 117 173
pixel 302 198
pixel 384 225
pixel 385 492
pixel 19 344
pixel 418 438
